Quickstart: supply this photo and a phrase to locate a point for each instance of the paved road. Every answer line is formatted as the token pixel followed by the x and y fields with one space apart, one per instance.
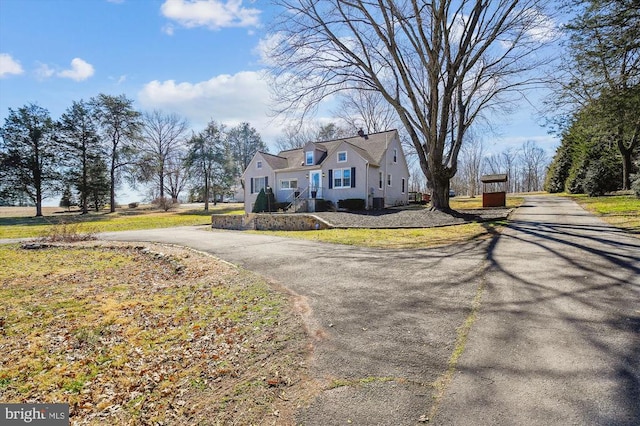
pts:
pixel 383 320
pixel 557 340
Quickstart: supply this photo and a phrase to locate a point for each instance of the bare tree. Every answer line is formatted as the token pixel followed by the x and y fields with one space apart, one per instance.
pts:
pixel 533 164
pixel 439 64
pixel 471 165
pixel 177 176
pixel 368 110
pixel 297 135
pixel 504 163
pixel 162 137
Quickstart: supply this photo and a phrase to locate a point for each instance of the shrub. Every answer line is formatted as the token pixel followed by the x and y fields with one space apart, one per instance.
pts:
pixel 265 202
pixel 164 203
pixel 133 205
pixel 602 176
pixel 67 233
pixel 352 204
pixel 635 181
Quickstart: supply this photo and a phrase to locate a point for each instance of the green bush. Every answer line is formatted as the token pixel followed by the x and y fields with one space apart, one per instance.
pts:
pixel 635 181
pixel 602 176
pixel 265 202
pixel 353 204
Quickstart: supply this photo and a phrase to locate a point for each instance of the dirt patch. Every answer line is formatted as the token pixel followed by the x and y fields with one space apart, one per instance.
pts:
pixel 148 334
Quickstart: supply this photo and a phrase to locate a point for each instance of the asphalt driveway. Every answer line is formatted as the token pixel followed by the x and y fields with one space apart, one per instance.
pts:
pixel 556 341
pixel 383 321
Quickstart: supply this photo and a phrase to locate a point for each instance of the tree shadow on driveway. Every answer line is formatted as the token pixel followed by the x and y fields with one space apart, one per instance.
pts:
pixel 558 335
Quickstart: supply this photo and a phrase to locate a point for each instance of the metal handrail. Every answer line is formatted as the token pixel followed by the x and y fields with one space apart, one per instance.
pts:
pixel 295 197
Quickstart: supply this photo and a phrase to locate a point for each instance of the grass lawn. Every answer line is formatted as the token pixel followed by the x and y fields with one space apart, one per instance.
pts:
pixel 19 222
pixel 409 238
pixel 397 238
pixel 622 211
pixel 143 336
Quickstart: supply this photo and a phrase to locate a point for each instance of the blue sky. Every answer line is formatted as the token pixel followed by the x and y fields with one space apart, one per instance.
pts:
pixel 197 58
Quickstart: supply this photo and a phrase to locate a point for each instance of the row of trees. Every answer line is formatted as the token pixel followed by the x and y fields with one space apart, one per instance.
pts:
pixel 600 89
pixel 96 144
pixel 525 167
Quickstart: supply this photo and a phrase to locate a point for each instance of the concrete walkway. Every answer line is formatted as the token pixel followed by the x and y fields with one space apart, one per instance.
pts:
pixel 557 340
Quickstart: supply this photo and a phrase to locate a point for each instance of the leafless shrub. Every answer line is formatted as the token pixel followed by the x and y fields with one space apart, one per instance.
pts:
pixel 67 232
pixel 164 203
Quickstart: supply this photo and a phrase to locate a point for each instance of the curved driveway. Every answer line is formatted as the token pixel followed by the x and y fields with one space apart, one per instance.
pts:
pixel 556 340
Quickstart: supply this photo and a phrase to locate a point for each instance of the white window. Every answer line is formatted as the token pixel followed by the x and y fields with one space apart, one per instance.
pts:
pixel 342 157
pixel 258 164
pixel 309 158
pixel 389 179
pixel 403 184
pixel 258 184
pixel 395 155
pixel 380 180
pixel 342 178
pixel 288 184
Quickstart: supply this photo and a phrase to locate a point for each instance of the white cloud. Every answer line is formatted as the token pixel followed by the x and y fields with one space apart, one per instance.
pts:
pixel 44 71
pixel 168 29
pixel 80 70
pixel 543 28
pixel 230 99
pixel 213 14
pixel 8 65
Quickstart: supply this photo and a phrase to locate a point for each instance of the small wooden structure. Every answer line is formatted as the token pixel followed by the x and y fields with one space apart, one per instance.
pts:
pixel 494 190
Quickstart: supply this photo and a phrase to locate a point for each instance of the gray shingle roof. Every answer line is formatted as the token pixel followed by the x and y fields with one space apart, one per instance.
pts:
pixel 371 147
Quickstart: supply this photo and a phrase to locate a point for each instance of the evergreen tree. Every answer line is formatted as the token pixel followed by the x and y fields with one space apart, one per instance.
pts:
pixel 120 127
pixel 29 155
pixel 603 46
pixel 78 132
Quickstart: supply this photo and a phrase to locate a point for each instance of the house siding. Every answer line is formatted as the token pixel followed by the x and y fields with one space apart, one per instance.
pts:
pixel 394 196
pixel 362 161
pixel 251 173
pixel 355 161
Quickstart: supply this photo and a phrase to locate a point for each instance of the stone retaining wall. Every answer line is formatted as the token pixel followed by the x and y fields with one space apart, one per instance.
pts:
pixel 269 222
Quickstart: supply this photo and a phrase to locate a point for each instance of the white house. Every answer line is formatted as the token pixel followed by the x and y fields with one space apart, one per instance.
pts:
pixel 369 167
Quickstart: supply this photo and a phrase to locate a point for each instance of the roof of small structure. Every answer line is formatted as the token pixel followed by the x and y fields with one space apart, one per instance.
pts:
pixel 493 178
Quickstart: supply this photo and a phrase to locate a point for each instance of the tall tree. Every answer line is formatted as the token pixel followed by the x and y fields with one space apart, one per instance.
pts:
pixel 78 133
pixel 177 174
pixel 367 110
pixel 120 125
pixel 244 141
pixel 206 159
pixel 296 136
pixel 29 154
pixel 471 165
pixel 603 71
pixel 439 64
pixel 534 162
pixel 162 137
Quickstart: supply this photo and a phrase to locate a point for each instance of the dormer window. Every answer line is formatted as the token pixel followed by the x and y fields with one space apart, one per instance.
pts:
pixel 342 157
pixel 308 158
pixel 259 165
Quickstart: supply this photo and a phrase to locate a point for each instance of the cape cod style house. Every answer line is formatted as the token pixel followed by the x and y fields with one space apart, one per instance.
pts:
pixel 368 167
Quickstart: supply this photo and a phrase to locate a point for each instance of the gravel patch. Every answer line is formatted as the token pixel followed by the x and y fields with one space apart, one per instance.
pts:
pixel 409 218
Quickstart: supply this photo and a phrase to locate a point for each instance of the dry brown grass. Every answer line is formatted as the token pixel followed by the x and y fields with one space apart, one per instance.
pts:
pixel 133 335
